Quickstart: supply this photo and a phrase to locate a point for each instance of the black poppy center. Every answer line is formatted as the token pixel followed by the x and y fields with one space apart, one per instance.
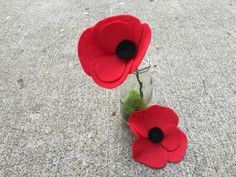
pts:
pixel 126 49
pixel 155 135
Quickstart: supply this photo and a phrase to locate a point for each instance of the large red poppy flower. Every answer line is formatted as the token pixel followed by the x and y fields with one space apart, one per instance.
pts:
pixel 158 139
pixel 113 48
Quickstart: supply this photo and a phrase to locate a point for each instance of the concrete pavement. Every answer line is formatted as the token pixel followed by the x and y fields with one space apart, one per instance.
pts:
pixel 54 121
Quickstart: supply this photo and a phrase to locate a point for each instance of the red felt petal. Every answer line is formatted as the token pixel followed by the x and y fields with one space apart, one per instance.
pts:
pixel 162 116
pixel 111 84
pixel 110 68
pixel 177 155
pixel 112 34
pixel 142 47
pixel 132 21
pixel 132 126
pixel 136 27
pixel 140 124
pixel 148 153
pixel 172 138
pixel 135 132
pixel 87 50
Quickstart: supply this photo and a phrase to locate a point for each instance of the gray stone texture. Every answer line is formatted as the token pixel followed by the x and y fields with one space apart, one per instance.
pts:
pixel 54 121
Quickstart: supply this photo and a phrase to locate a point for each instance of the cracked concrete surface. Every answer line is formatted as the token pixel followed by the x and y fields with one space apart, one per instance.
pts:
pixel 54 121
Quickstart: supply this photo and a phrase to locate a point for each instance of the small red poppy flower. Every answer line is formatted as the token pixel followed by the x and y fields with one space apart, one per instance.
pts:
pixel 113 48
pixel 158 139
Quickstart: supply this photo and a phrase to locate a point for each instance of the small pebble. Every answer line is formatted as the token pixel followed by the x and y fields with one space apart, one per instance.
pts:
pixel 228 32
pixel 21 83
pixel 36 108
pixel 113 113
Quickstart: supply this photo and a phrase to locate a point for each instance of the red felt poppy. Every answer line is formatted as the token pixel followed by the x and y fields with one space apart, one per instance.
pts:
pixel 113 48
pixel 158 139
